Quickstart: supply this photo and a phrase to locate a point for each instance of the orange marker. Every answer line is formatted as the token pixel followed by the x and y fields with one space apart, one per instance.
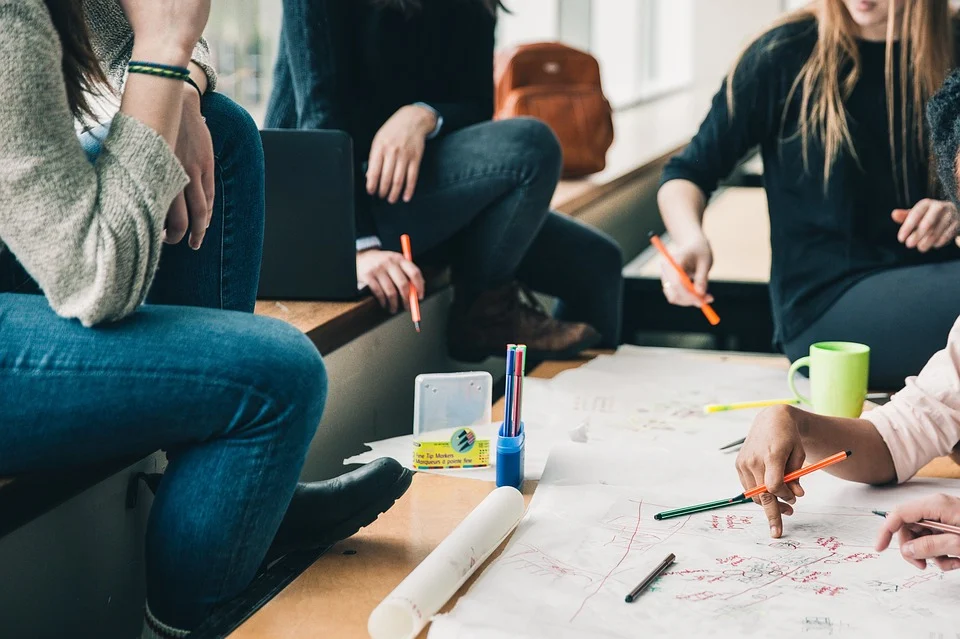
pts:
pixel 797 474
pixel 414 299
pixel 711 314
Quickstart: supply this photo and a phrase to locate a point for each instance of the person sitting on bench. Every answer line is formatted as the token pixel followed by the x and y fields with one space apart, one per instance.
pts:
pixel 87 375
pixel 412 82
pixel 862 240
pixel 892 442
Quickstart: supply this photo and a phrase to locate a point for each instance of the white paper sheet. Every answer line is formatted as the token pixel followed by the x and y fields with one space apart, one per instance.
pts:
pixel 409 607
pixel 583 545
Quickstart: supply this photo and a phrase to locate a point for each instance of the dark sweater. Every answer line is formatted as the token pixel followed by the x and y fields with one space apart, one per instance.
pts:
pixel 823 242
pixel 365 62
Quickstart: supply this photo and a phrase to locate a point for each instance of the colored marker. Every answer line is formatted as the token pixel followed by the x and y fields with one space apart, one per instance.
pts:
pixel 927 523
pixel 708 311
pixel 518 372
pixel 739 442
pixel 413 297
pixel 509 391
pixel 648 581
pixel 699 508
pixel 763 403
pixel 753 492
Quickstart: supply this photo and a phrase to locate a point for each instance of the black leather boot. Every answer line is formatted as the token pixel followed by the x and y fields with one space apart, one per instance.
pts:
pixel 325 512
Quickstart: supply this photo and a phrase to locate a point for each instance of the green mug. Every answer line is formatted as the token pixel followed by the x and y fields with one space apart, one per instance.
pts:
pixel 838 378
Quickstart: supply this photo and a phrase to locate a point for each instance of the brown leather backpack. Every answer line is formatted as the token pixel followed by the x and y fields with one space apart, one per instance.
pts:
pixel 561 86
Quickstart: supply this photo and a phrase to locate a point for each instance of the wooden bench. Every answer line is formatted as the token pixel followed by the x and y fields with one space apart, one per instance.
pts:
pixel 737 224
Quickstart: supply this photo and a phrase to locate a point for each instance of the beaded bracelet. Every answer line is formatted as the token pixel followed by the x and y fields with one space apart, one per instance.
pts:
pixel 159 70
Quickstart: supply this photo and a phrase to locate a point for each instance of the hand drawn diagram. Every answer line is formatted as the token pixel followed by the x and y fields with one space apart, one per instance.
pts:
pixel 582 548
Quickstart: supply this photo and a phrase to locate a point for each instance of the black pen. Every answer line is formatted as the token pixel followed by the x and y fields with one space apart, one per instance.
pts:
pixel 650 578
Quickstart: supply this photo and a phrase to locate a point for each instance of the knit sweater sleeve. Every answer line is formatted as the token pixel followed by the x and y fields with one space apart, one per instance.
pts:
pixel 112 40
pixel 89 234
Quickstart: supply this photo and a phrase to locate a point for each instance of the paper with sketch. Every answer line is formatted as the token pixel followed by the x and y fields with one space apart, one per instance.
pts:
pixel 584 545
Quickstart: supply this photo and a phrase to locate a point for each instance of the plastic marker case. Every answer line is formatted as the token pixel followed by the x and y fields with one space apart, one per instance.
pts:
pixel 452 400
pixel 510 457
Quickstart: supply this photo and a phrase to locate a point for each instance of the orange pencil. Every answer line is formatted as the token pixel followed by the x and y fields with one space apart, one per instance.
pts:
pixel 414 299
pixel 797 474
pixel 708 311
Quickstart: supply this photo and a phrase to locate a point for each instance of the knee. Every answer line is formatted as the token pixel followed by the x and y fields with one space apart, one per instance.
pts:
pixel 236 137
pixel 608 256
pixel 285 369
pixel 535 143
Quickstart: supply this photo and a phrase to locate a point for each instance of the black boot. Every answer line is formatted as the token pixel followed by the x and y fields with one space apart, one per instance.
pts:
pixel 325 512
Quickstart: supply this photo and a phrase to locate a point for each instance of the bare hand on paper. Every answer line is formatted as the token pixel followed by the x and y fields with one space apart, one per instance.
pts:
pixel 696 258
pixel 396 153
pixel 929 224
pixel 389 277
pixel 918 544
pixel 772 450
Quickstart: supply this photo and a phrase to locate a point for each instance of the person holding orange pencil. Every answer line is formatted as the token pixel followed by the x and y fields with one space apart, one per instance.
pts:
pixel 856 214
pixel 920 423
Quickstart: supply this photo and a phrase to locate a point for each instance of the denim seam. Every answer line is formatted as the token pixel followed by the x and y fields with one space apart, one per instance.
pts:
pixel 220 197
pixel 248 515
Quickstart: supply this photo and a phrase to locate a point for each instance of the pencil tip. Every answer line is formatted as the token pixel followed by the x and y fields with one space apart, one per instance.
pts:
pixel 849 453
pixel 658 517
pixel 628 599
pixel 879 512
pixel 416 325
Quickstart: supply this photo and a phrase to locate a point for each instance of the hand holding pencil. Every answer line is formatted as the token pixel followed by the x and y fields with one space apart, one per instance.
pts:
pixel 927 529
pixel 684 275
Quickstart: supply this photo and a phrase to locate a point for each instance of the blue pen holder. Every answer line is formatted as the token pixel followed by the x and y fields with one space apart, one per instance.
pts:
pixel 510 453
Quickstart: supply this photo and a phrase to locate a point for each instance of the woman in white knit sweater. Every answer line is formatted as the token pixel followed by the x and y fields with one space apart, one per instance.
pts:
pixel 87 374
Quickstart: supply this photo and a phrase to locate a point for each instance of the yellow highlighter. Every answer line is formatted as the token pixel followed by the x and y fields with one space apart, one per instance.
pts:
pixel 763 403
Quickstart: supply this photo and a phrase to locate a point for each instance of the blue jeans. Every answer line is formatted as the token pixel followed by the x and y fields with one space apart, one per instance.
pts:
pixel 233 398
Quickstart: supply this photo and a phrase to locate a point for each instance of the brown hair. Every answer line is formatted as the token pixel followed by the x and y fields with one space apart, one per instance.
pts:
pixel 828 77
pixel 82 73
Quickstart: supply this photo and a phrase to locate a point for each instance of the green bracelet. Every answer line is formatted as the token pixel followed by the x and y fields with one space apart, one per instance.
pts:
pixel 159 70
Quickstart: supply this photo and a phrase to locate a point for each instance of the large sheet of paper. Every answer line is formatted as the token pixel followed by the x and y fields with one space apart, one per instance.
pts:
pixel 589 537
pixel 641 397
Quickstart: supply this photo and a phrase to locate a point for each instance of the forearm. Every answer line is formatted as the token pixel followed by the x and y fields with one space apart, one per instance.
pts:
pixel 871 462
pixel 157 102
pixel 682 204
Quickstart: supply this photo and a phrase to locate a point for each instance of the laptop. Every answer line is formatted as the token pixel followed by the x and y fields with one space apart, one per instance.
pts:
pixel 309 243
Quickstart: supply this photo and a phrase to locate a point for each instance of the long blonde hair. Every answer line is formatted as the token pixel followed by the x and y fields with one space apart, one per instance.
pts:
pixel 830 74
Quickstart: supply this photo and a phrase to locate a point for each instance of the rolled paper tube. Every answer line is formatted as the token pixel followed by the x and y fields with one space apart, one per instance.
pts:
pixel 406 610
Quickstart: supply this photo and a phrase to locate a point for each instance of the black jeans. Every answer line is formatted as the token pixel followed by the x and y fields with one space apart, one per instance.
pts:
pixel 483 202
pixel 904 315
